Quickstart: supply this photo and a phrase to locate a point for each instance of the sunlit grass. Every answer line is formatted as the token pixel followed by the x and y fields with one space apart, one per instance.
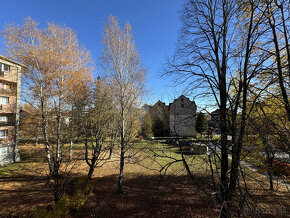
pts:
pixel 148 159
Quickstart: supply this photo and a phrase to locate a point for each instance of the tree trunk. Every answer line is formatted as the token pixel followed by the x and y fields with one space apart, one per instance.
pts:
pixel 37 136
pixel 44 129
pixel 122 155
pixel 122 163
pixel 71 133
pixel 285 32
pixel 270 158
pixel 58 142
pixel 212 172
pixel 271 181
pixel 92 168
pixel 279 66
pixel 224 145
pixel 237 147
pixel 224 160
pixel 70 150
pixel 56 188
pixel 111 152
pixel 91 171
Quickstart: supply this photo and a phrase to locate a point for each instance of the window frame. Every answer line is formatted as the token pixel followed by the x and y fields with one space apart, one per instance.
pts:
pixel 6 98
pixel 5 133
pixel 4 85
pixel 3 66
pixel 4 151
pixel 2 116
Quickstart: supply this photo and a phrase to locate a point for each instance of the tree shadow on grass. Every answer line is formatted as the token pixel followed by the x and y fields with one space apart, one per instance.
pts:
pixel 174 197
pixel 22 194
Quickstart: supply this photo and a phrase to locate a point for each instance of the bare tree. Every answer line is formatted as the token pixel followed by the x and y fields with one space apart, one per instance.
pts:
pixel 121 60
pixel 277 13
pixel 98 126
pixel 218 55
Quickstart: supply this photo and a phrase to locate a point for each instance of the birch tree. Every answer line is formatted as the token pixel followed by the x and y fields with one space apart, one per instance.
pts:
pixel 122 63
pixel 58 74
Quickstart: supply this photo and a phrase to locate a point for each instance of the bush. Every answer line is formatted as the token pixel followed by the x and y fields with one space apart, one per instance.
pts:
pixel 201 123
pixel 147 127
pixel 62 208
pixel 281 169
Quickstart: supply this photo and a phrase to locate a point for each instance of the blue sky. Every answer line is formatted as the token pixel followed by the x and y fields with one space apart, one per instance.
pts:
pixel 155 26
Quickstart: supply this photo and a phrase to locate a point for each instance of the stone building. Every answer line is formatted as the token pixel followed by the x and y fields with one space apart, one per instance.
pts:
pixel 177 119
pixel 160 119
pixel 10 81
pixel 215 119
pixel 182 117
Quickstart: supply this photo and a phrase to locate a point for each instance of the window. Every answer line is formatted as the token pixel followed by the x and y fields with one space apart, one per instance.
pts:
pixel 4 67
pixel 3 119
pixel 4 100
pixel 6 86
pixel 182 105
pixel 4 151
pixel 3 133
pixel 181 100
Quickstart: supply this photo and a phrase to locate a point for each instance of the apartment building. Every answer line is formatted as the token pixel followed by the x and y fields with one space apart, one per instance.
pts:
pixel 10 82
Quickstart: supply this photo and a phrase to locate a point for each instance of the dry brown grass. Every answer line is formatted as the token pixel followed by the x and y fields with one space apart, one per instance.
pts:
pixel 24 189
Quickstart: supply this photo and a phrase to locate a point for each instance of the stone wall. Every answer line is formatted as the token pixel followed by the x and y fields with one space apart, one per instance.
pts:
pixel 182 116
pixel 159 113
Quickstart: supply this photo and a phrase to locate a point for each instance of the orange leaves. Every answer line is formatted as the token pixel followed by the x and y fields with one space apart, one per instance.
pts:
pixel 56 61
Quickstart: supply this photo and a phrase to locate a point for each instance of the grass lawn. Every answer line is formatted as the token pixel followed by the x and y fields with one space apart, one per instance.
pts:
pixel 24 189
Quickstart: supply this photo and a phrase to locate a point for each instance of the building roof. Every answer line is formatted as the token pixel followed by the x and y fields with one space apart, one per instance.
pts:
pixel 146 105
pixel 159 103
pixel 217 111
pixel 182 96
pixel 14 62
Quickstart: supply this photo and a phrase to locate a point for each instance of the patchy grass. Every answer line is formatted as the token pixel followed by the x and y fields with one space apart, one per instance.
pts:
pixel 254 161
pixel 24 189
pixel 259 162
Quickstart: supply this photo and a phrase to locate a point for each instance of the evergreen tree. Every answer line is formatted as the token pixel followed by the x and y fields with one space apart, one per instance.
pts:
pixel 201 123
pixel 147 126
pixel 158 128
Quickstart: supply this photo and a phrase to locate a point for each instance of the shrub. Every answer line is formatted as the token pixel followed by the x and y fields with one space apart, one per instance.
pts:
pixel 280 168
pixel 62 208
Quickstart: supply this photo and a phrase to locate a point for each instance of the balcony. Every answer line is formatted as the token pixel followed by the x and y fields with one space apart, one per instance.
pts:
pixel 8 108
pixel 7 123
pixel 8 91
